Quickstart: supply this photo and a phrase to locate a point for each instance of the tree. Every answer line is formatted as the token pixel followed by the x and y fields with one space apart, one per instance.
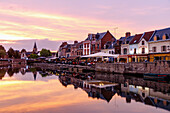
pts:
pixel 34 56
pixel 45 53
pixel 2 53
pixel 10 52
pixel 17 54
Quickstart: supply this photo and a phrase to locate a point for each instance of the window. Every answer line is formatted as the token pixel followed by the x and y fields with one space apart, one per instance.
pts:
pixel 167 37
pixel 97 46
pixel 84 45
pixel 158 38
pixel 125 51
pixel 87 45
pixel 163 48
pixel 143 42
pixel 127 42
pixel 143 50
pixel 154 49
pixel 109 52
pixel 135 51
pixel 93 46
pixel 112 52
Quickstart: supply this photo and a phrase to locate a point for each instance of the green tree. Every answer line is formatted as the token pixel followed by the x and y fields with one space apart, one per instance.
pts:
pixel 17 54
pixel 34 56
pixel 2 53
pixel 10 52
pixel 45 53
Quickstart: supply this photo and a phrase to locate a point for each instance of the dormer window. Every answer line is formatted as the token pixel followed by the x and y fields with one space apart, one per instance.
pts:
pixel 127 42
pixel 167 37
pixel 143 42
pixel 158 38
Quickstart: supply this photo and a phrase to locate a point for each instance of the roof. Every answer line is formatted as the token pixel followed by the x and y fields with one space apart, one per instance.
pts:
pixel 98 36
pixel 147 35
pixel 35 46
pixel 160 33
pixel 127 39
pixel 136 39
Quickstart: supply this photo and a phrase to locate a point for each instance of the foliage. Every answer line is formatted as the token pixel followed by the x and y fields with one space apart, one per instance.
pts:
pixel 45 53
pixel 2 53
pixel 10 52
pixel 17 54
pixel 34 56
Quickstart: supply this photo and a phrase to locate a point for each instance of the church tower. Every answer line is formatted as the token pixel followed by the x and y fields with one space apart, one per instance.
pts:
pixel 35 48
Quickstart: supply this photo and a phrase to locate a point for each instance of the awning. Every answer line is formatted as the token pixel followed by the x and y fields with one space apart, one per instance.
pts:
pixel 102 54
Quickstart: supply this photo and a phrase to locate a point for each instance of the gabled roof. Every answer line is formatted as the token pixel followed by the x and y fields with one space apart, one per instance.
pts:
pixel 127 39
pixel 160 33
pixel 147 35
pixel 136 39
pixel 98 36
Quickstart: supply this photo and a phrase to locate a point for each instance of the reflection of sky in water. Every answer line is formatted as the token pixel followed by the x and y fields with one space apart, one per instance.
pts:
pixel 21 93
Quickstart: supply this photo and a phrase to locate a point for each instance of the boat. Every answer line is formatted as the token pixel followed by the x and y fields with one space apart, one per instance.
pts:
pixel 157 76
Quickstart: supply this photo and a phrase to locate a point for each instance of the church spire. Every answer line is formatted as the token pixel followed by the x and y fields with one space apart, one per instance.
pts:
pixel 35 48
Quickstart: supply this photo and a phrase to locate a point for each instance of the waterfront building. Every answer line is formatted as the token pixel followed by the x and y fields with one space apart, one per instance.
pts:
pixel 80 48
pixel 124 43
pixel 139 48
pixel 159 45
pixel 62 50
pixel 95 42
pixel 23 54
pixel 89 41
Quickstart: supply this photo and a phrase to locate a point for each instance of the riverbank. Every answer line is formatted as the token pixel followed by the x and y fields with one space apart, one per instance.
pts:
pixel 162 67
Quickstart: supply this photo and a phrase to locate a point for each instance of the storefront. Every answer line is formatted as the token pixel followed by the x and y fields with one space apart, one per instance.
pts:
pixel 159 56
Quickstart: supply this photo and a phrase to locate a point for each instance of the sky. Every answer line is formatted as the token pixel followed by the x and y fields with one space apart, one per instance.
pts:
pixel 50 22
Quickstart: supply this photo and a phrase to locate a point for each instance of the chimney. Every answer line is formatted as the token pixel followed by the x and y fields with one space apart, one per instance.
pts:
pixel 127 34
pixel 75 42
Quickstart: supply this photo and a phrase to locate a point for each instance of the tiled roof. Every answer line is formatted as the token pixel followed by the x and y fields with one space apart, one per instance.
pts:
pixel 98 36
pixel 101 35
pixel 136 39
pixel 160 33
pixel 147 35
pixel 128 39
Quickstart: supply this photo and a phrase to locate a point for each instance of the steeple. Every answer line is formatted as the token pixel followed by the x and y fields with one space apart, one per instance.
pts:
pixel 35 45
pixel 35 48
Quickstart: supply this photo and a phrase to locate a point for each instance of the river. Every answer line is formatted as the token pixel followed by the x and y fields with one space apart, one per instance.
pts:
pixel 29 90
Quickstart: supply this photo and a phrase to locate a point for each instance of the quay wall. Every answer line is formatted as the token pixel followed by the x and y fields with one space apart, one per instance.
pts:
pixel 160 67
pixel 65 67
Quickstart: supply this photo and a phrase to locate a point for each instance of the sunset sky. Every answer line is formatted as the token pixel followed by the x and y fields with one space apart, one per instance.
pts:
pixel 49 22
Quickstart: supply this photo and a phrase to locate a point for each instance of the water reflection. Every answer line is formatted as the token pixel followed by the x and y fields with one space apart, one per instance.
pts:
pixel 36 90
pixel 131 88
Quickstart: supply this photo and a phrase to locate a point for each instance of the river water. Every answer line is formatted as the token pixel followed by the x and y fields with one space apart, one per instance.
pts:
pixel 28 90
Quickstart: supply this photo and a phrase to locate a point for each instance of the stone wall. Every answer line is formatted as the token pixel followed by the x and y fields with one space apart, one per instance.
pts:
pixel 160 67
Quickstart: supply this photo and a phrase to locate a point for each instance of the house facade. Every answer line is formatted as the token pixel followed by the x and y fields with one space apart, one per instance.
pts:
pixel 96 42
pixel 159 45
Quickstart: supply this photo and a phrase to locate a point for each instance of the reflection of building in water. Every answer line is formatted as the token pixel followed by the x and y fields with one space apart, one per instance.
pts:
pixel 35 75
pixel 145 95
pixel 23 71
pixel 127 88
pixel 99 89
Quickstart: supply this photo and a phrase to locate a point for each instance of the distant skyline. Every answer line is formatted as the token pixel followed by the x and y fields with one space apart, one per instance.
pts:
pixel 50 22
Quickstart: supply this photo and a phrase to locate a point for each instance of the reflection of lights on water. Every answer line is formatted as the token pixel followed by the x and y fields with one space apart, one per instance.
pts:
pixel 101 84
